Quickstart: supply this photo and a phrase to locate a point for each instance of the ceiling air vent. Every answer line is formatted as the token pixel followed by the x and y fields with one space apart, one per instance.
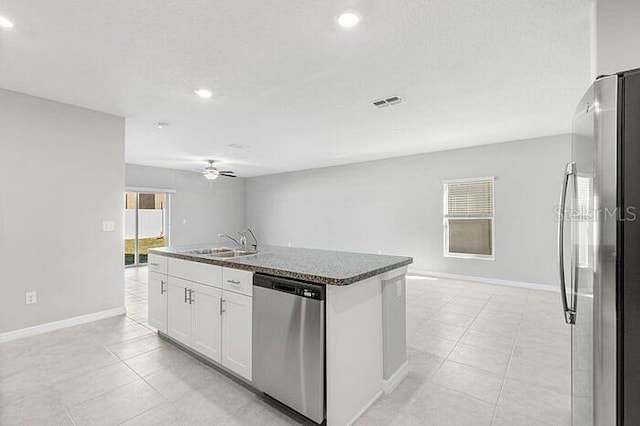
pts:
pixel 381 103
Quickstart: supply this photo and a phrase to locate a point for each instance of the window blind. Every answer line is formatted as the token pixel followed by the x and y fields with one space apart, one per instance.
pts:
pixel 473 198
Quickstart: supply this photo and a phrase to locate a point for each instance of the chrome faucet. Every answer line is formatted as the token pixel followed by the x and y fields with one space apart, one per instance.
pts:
pixel 234 240
pixel 255 240
pixel 242 240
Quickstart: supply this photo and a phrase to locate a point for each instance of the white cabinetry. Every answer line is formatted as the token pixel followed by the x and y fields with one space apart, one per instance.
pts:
pixel 206 324
pixel 197 272
pixel 179 310
pixel 158 301
pixel 206 308
pixel 237 281
pixel 236 333
pixel 157 263
pixel 194 316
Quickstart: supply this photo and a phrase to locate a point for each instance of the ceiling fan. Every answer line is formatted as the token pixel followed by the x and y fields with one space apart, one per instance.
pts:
pixel 212 173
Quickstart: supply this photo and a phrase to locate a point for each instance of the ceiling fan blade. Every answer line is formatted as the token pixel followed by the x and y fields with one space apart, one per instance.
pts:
pixel 227 175
pixel 225 171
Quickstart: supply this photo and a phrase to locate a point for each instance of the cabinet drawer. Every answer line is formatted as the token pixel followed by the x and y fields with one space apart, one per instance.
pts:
pixel 196 272
pixel 157 263
pixel 238 281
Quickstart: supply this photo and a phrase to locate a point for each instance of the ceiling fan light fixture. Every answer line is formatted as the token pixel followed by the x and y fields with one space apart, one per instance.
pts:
pixel 5 23
pixel 203 92
pixel 211 174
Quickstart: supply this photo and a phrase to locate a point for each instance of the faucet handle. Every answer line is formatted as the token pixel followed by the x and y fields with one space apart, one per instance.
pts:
pixel 255 240
pixel 243 240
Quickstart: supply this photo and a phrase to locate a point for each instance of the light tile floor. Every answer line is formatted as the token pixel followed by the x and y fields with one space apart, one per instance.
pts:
pixel 478 355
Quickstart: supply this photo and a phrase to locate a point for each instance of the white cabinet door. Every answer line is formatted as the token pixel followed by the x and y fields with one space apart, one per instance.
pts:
pixel 236 333
pixel 158 301
pixel 157 263
pixel 179 321
pixel 238 281
pixel 206 331
pixel 196 271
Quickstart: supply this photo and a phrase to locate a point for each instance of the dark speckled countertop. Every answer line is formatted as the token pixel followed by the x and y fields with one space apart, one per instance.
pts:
pixel 318 266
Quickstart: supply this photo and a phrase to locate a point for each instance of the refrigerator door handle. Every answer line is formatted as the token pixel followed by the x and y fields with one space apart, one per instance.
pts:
pixel 569 313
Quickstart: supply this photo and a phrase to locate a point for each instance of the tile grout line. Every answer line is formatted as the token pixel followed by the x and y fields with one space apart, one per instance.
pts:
pixel 162 397
pixel 68 408
pixel 504 379
pixel 458 342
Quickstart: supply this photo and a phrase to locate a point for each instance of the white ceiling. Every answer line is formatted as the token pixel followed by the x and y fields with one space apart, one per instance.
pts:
pixel 292 85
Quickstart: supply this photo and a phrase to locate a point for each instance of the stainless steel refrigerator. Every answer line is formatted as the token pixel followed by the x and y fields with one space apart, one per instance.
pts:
pixel 599 253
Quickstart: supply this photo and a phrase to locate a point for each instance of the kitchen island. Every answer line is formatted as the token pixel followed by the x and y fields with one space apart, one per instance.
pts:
pixel 195 289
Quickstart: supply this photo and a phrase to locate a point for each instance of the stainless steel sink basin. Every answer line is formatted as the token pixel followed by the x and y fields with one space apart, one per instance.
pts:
pixel 220 252
pixel 210 251
pixel 235 253
pixel 244 252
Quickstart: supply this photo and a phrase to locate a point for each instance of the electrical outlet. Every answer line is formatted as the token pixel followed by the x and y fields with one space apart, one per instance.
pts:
pixel 399 288
pixel 31 297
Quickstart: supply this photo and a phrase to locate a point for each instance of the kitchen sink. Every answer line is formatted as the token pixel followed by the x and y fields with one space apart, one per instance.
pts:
pixel 221 252
pixel 209 251
pixel 235 253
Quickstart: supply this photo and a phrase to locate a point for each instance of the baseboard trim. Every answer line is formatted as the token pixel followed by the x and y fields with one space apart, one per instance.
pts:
pixel 366 407
pixel 389 385
pixel 521 284
pixel 56 325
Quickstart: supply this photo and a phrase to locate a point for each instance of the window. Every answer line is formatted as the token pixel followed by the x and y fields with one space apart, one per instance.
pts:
pixel 468 218
pixel 146 225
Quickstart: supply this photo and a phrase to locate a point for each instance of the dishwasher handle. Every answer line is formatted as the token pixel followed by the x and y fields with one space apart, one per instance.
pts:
pixel 284 287
pixel 293 287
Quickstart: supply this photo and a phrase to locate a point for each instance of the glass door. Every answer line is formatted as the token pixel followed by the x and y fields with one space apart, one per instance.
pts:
pixel 146 225
pixel 130 228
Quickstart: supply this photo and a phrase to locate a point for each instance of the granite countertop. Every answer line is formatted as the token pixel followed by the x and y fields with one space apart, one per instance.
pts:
pixel 318 266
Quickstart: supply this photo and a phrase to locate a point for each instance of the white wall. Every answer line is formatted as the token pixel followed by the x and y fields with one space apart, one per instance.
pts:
pixel 67 162
pixel 200 209
pixel 617 36
pixel 395 206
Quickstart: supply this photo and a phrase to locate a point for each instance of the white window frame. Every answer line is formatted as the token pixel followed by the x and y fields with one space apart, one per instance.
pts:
pixel 445 220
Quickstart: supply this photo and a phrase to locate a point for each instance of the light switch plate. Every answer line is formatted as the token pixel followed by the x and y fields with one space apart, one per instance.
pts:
pixel 108 226
pixel 399 288
pixel 31 297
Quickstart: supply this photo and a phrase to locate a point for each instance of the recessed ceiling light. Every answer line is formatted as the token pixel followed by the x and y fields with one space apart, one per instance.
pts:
pixel 203 93
pixel 162 125
pixel 5 23
pixel 348 19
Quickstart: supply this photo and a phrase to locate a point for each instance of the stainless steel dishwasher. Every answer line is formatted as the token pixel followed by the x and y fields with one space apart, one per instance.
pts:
pixel 289 343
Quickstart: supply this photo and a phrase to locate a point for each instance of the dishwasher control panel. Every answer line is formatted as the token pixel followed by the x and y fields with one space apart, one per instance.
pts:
pixel 297 288
pixel 313 294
